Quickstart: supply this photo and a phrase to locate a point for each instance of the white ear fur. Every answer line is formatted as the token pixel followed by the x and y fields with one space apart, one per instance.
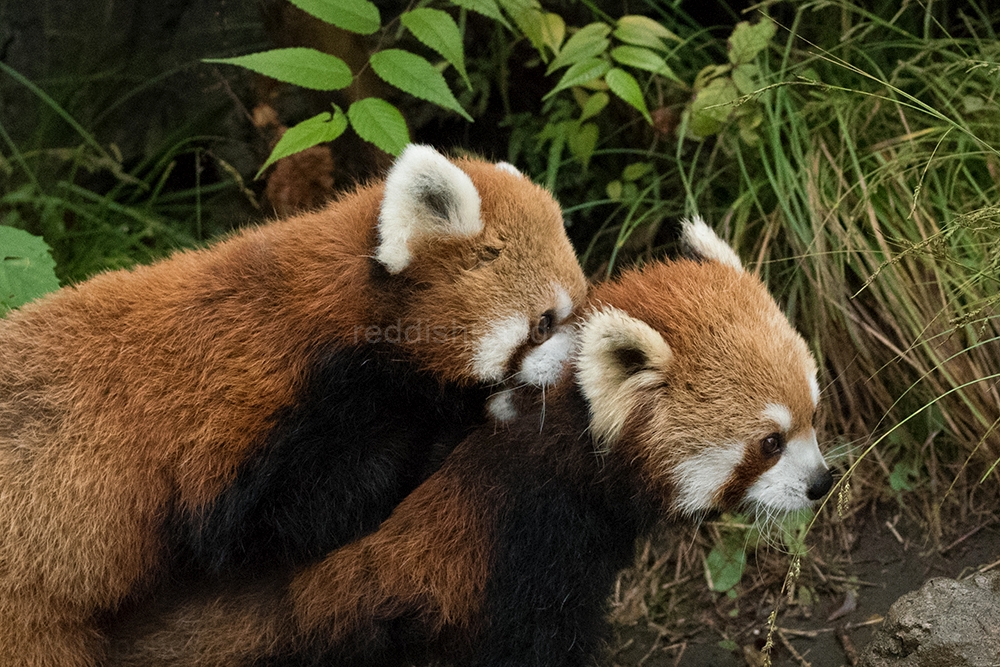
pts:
pixel 701 241
pixel 509 168
pixel 425 195
pixel 618 355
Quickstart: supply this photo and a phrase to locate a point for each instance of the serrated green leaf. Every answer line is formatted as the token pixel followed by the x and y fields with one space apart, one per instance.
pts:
pixel 380 123
pixel 581 73
pixel 594 105
pixel 360 16
pixel 488 8
pixel 414 75
pixel 748 40
pixel 527 15
pixel 588 42
pixel 582 142
pixel 27 270
pixel 437 30
pixel 300 66
pixel 626 87
pixel 711 107
pixel 643 31
pixel 640 58
pixel 310 132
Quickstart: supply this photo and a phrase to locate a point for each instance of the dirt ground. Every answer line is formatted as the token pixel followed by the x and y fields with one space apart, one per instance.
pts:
pixel 848 594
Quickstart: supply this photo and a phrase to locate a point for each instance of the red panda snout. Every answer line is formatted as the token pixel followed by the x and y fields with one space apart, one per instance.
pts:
pixel 799 477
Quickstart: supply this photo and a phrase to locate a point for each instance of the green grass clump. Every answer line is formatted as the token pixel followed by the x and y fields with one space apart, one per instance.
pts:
pixel 865 192
pixel 95 211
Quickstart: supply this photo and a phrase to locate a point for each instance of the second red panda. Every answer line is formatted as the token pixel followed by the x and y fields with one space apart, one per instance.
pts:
pixel 689 393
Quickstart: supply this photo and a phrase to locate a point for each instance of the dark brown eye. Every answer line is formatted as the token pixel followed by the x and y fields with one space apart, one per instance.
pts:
pixel 544 327
pixel 772 445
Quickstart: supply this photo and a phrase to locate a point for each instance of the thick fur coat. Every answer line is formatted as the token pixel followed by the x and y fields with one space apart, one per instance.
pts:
pixel 253 405
pixel 689 393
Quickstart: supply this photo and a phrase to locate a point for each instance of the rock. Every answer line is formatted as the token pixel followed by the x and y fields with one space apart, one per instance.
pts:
pixel 946 623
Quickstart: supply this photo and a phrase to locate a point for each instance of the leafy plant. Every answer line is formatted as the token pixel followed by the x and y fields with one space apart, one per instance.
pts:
pixel 373 119
pixel 27 270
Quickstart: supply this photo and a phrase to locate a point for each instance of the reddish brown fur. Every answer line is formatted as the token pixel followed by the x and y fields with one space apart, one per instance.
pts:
pixel 401 570
pixel 138 393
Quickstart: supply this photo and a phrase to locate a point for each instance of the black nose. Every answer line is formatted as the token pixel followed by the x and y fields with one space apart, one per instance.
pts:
pixel 820 484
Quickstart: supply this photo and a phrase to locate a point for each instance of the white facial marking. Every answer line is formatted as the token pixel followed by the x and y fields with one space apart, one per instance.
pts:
pixel 497 346
pixel 704 242
pixel 418 176
pixel 509 168
pixel 564 304
pixel 501 406
pixel 699 478
pixel 784 485
pixel 814 388
pixel 780 415
pixel 543 365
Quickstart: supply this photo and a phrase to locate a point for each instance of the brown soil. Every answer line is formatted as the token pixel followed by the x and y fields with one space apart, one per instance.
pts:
pixel 835 604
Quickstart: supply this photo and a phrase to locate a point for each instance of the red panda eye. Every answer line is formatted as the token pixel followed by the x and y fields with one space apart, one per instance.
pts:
pixel 544 327
pixel 772 445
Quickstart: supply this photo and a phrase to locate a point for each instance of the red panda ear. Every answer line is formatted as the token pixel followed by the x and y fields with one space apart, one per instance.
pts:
pixel 704 244
pixel 425 195
pixel 618 356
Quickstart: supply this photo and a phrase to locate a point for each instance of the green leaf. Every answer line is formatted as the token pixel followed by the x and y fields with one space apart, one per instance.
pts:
pixel 748 40
pixel 582 142
pixel 27 270
pixel 581 73
pixel 380 123
pixel 360 16
pixel 310 132
pixel 745 77
pixel 708 74
pixel 487 8
pixel 304 67
pixel 903 477
pixel 528 17
pixel 588 42
pixel 643 31
pixel 640 58
pixel 636 170
pixel 553 31
pixel 614 190
pixel 711 107
pixel 437 30
pixel 414 75
pixel 626 87
pixel 594 105
pixel 725 563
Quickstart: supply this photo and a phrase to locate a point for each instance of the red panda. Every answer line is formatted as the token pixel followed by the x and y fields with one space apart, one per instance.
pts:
pixel 253 405
pixel 689 392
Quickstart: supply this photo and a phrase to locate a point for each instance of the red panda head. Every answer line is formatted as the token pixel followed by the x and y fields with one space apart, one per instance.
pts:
pixel 494 276
pixel 693 369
